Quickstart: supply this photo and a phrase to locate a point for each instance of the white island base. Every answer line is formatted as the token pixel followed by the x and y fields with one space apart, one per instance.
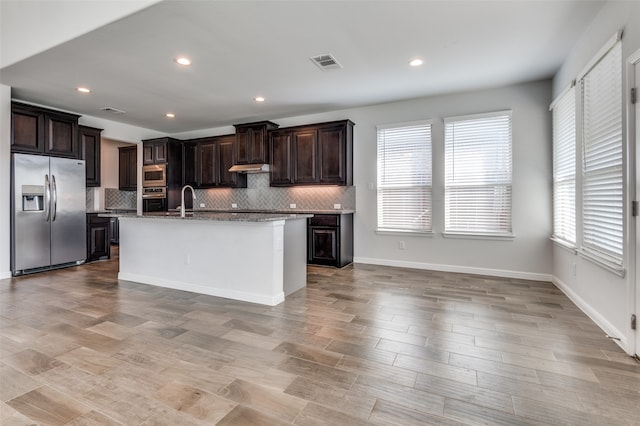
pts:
pixel 253 261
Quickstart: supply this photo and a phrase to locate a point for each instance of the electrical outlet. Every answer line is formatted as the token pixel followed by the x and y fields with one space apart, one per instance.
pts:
pixel 337 206
pixel 401 245
pixel 292 206
pixel 201 204
pixel 234 206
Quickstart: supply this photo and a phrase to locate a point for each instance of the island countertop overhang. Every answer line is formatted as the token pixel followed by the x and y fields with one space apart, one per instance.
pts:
pixel 213 216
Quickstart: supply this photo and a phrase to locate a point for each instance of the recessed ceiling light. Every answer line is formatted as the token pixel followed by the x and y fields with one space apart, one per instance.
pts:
pixel 170 115
pixel 83 89
pixel 183 60
pixel 416 62
pixel 259 99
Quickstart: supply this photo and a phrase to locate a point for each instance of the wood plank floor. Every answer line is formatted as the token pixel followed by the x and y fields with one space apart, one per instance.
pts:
pixel 361 345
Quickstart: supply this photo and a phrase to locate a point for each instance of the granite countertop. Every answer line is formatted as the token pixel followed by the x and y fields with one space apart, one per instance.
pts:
pixel 275 211
pixel 213 216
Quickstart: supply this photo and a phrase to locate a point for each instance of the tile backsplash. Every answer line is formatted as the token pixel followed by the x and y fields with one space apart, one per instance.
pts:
pixel 116 199
pixel 259 195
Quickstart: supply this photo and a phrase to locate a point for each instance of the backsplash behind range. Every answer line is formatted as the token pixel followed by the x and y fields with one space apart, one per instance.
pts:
pixel 257 196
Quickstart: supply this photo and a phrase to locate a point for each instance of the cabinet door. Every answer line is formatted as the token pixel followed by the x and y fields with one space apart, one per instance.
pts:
pixel 208 168
pixel 132 170
pixel 127 168
pixel 189 165
pixel 225 161
pixel 242 146
pixel 90 153
pixel 147 154
pixel 98 243
pixel 257 145
pixel 61 135
pixel 27 130
pixel 332 155
pixel 280 162
pixel 304 156
pixel 323 245
pixel 160 152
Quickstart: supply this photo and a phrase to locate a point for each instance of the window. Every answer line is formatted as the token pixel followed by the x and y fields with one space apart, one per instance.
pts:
pixel 404 177
pixel 602 159
pixel 478 174
pixel 564 168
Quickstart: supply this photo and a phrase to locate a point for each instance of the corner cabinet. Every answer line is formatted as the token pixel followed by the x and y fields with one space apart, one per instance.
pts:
pixel 127 168
pixel 315 154
pixel 98 237
pixel 89 138
pixel 207 162
pixel 251 142
pixel 330 239
pixel 43 131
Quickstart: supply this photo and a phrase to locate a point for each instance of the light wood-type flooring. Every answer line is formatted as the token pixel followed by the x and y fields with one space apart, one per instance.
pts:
pixel 360 345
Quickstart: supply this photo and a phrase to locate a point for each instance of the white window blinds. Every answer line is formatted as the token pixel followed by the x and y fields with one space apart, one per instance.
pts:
pixel 564 168
pixel 478 174
pixel 602 159
pixel 404 177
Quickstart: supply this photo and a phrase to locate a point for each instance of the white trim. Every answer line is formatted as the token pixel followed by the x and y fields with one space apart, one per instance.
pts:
pixel 211 291
pixel 478 116
pixel 595 316
pixel 570 247
pixel 405 124
pixel 502 273
pixel 561 95
pixel 474 236
pixel 600 261
pixel 5 275
pixel 600 54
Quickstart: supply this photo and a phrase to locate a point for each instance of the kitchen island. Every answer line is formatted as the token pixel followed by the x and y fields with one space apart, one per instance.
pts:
pixel 253 257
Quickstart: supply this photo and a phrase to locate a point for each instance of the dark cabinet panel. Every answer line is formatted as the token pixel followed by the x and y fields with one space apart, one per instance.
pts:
pixel 319 154
pixel 330 239
pixel 280 162
pixel 90 152
pixel 40 130
pixel 251 142
pixel 154 152
pixel 98 237
pixel 127 168
pixel 207 162
pixel 305 159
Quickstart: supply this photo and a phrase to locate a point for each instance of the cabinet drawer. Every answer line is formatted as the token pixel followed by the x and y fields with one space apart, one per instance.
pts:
pixel 325 220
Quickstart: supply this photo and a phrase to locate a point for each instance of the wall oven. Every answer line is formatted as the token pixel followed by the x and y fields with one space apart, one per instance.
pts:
pixel 154 198
pixel 154 175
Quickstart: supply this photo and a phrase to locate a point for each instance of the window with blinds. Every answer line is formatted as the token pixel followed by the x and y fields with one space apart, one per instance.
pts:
pixel 602 159
pixel 564 168
pixel 478 174
pixel 404 177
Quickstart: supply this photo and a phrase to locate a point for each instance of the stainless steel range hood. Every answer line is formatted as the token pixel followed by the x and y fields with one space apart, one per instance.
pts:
pixel 250 168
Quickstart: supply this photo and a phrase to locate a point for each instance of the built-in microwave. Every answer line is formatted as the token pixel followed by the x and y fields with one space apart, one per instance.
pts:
pixel 154 175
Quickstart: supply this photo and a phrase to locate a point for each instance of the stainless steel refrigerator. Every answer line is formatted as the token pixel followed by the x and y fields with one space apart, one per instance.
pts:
pixel 48 220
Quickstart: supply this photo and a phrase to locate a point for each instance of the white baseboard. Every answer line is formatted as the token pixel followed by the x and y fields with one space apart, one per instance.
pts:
pixel 5 275
pixel 503 273
pixel 211 291
pixel 595 316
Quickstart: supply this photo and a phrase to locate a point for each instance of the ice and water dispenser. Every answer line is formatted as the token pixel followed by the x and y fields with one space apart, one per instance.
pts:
pixel 32 198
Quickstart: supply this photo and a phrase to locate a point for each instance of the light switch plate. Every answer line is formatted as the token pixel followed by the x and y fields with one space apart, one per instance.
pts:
pixel 234 206
pixel 292 206
pixel 201 204
pixel 337 206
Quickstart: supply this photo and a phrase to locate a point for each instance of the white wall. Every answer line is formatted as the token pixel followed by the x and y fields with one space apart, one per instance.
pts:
pixel 605 297
pixel 5 181
pixel 528 255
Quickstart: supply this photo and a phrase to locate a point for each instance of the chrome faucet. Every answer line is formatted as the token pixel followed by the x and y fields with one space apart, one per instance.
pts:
pixel 182 209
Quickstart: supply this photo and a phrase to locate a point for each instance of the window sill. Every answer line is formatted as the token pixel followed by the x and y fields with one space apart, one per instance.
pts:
pixel 564 245
pixel 401 232
pixel 470 236
pixel 598 260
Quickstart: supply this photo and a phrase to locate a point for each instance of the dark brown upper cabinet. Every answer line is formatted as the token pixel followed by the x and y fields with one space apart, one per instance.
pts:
pixel 89 138
pixel 251 143
pixel 207 162
pixel 315 154
pixel 127 168
pixel 154 151
pixel 43 131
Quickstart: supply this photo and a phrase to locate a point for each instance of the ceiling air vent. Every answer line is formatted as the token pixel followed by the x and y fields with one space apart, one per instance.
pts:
pixel 326 62
pixel 112 110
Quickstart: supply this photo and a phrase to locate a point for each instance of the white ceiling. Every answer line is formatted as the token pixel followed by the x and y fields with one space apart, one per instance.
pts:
pixel 242 49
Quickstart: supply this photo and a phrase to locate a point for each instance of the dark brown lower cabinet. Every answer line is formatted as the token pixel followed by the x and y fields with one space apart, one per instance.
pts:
pixel 98 237
pixel 330 239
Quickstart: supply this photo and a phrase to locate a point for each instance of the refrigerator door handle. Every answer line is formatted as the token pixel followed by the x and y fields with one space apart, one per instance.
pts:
pixel 47 199
pixel 54 198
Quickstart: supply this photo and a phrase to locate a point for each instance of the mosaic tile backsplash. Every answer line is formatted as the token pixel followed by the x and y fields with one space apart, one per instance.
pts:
pixel 116 199
pixel 259 195
pixel 90 199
